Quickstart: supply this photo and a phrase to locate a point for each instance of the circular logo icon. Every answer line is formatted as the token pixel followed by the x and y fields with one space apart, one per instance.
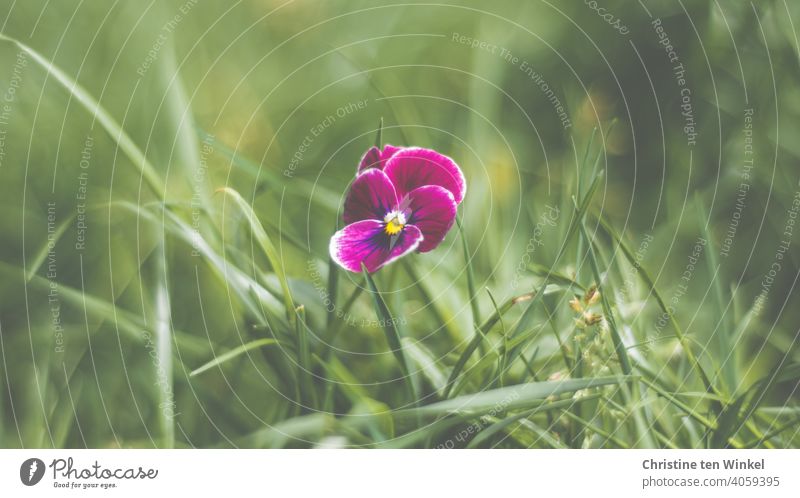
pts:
pixel 31 471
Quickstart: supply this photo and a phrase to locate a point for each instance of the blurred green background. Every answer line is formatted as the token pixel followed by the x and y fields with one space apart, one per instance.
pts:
pixel 118 284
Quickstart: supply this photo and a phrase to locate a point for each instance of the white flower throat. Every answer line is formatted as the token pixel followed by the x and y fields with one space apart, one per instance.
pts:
pixel 395 221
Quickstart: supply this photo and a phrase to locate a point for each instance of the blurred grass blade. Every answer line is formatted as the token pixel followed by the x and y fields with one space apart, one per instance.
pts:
pixel 542 434
pixel 639 413
pixel 588 426
pixel 266 176
pixel 333 294
pixel 517 396
pixel 648 281
pixel 726 424
pixel 473 297
pixel 163 346
pixel 109 124
pixel 269 249
pixel 722 327
pixel 427 364
pixel 417 437
pixel 503 424
pixel 525 324
pixel 342 315
pixel 233 353
pixel 381 422
pixel 462 361
pixel 481 331
pixel 442 316
pixel 51 242
pixel 254 296
pixel 619 346
pixel 379 134
pixel 681 405
pixel 544 272
pixel 390 330
pixel 503 309
pixel 577 220
pixel 302 428
pixel 771 434
pixel 307 390
pixel 501 364
pixel 751 399
pixel 579 249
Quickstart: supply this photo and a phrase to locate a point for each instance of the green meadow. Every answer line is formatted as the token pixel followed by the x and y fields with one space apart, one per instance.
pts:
pixel 622 274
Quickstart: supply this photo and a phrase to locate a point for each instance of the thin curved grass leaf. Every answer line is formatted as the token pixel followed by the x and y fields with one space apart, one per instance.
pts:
pixel 427 364
pixel 109 124
pixel 502 424
pixel 648 281
pixel 517 396
pixel 41 256
pixel 233 353
pixel 269 249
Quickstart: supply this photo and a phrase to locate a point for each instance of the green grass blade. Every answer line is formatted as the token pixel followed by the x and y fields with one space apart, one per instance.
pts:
pixel 380 423
pixel 751 399
pixel 480 332
pixel 503 309
pixel 441 316
pixel 771 434
pixel 233 353
pixel 727 424
pixel 302 428
pixel 163 346
pixel 109 124
pixel 619 346
pixel 577 220
pixel 503 424
pixel 648 281
pixel 390 330
pixel 639 414
pixel 472 346
pixel 310 191
pixel 511 397
pixel 379 134
pixel 709 424
pixel 544 272
pixel 341 316
pixel 723 328
pixel 307 390
pixel 41 256
pixel 477 339
pixel 579 250
pixel 427 364
pixel 333 294
pixel 542 434
pixel 594 428
pixel 269 249
pixel 473 297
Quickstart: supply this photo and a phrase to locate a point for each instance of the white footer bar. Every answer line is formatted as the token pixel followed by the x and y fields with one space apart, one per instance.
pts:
pixel 390 473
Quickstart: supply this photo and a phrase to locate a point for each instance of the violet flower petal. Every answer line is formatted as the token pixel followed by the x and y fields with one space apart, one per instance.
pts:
pixel 370 159
pixel 415 167
pixel 376 158
pixel 371 197
pixel 367 242
pixel 433 211
pixel 389 150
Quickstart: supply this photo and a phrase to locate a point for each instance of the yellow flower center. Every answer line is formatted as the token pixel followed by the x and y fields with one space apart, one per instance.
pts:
pixel 395 221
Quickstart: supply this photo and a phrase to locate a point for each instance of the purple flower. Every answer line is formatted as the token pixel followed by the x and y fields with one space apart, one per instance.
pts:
pixel 403 199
